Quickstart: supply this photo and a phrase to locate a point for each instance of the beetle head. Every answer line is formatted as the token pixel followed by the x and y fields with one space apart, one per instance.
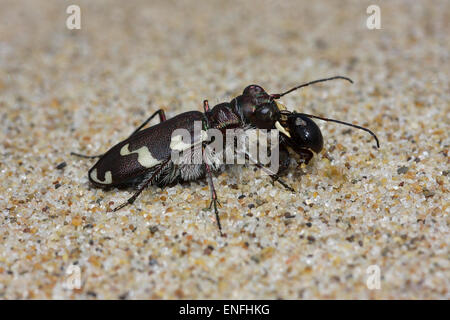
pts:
pixel 257 108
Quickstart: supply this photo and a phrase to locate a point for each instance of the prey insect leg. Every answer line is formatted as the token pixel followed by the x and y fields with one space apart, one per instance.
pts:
pixel 274 176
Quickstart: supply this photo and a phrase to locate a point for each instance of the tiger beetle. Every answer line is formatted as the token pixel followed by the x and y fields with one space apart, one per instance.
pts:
pixel 144 158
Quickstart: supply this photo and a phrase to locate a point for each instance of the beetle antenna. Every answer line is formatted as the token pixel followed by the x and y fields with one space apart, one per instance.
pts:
pixel 279 95
pixel 344 123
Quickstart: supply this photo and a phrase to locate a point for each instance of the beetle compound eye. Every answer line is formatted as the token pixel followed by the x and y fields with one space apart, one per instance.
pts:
pixel 262 116
pixel 305 133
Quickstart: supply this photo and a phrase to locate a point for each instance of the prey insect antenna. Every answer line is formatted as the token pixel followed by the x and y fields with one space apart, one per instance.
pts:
pixel 279 95
pixel 344 123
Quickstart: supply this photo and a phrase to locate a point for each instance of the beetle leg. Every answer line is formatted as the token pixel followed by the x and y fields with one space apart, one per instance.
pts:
pixel 85 156
pixel 162 118
pixel 214 200
pixel 144 185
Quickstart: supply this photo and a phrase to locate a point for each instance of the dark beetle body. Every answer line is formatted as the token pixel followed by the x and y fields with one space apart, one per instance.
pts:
pixel 156 139
pixel 130 161
pixel 144 158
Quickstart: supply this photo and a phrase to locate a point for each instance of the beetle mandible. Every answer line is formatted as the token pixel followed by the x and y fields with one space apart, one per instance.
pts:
pixel 144 158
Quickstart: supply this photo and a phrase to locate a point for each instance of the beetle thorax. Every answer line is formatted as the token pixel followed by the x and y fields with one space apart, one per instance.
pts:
pixel 223 117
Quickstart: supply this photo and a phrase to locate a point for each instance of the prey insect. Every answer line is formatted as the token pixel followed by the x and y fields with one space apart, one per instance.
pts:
pixel 144 158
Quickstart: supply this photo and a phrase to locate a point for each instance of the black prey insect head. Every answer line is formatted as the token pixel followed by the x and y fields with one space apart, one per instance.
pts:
pixel 344 123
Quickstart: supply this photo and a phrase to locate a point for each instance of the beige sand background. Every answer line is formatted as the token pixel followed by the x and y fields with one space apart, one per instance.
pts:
pixel 84 90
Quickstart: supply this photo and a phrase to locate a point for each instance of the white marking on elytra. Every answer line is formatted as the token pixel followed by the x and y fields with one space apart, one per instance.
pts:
pixel 145 158
pixel 108 177
pixel 177 143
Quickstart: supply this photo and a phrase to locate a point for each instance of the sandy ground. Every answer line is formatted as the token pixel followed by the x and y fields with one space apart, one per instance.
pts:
pixel 84 90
